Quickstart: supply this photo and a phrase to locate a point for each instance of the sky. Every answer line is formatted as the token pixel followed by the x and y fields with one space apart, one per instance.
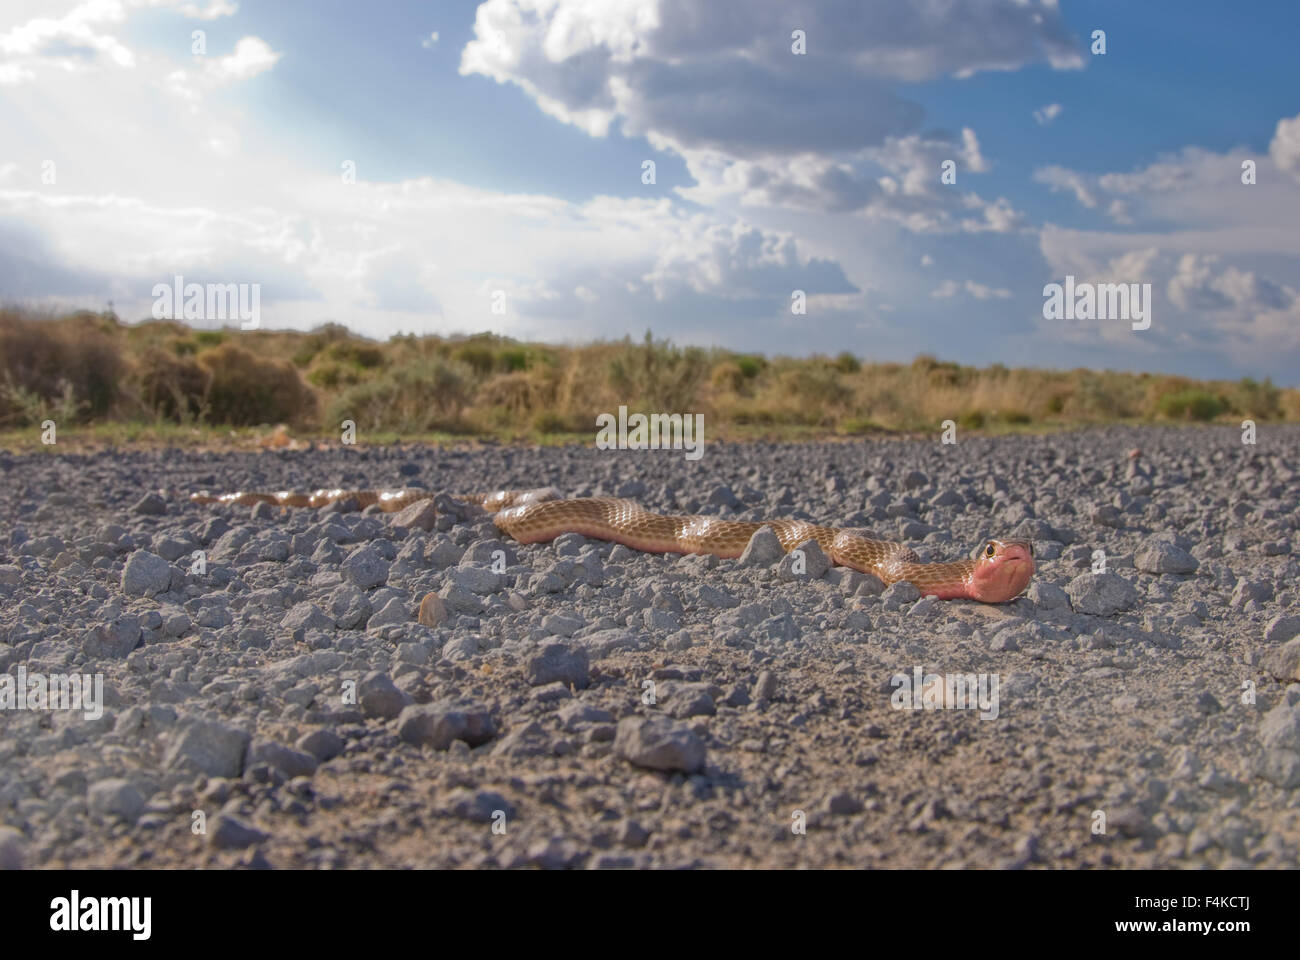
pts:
pixel 457 167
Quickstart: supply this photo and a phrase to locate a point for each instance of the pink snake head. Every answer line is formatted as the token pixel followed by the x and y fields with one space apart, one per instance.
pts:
pixel 1002 571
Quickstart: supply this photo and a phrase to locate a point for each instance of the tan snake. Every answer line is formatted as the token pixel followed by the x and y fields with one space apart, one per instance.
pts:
pixel 1000 573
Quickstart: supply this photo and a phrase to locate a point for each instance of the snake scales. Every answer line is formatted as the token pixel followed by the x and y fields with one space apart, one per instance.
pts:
pixel 1000 572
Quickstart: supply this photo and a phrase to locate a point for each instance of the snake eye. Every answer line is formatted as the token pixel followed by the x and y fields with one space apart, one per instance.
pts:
pixel 990 549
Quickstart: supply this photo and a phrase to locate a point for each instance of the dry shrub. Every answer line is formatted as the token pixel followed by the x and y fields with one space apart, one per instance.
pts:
pixel 414 397
pixel 244 389
pixel 172 386
pixel 71 363
pixel 657 376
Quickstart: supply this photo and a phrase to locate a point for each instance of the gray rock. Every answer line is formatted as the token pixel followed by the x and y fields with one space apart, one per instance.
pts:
pixel 114 640
pixel 1284 662
pixel 350 607
pixel 438 724
pixel 145 574
pixel 227 832
pixel 489 551
pixel 115 798
pixel 322 744
pixel 478 806
pixel 475 579
pixel 764 548
pixel 778 629
pixel 562 624
pixel 1282 628
pixel 12 849
pixel 214 748
pixel 458 600
pixel 1280 733
pixel 808 556
pixel 1047 596
pixel 559 662
pixel 664 621
pixel 578 713
pixel 421 515
pixel 393 612
pixel 528 740
pixel 150 505
pixel 292 763
pixel 659 743
pixel 1161 556
pixel 1259 591
pixel 306 616
pixel 685 700
pixel 365 567
pixel 900 594
pixel 1101 594
pixel 462 648
pixel 379 697
pixel 1106 516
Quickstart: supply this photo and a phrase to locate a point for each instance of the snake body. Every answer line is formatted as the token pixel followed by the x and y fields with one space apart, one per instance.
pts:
pixel 1000 573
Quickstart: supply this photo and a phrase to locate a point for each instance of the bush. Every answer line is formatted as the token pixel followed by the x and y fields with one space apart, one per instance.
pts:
pixel 727 376
pixel 1191 405
pixel 513 359
pixel 70 363
pixel 412 398
pixel 317 340
pixel 172 386
pixel 819 387
pixel 245 390
pixel 657 376
pixel 331 374
pixel 514 392
pixel 750 367
pixel 1262 401
pixel 847 363
pixel 365 356
pixel 477 357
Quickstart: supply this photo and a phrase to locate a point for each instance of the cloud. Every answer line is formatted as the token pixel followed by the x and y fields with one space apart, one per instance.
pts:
pixel 1045 115
pixel 1284 150
pixel 430 41
pixel 252 56
pixel 77 41
pixel 1060 179
pixel 720 86
pixel 214 10
pixel 608 266
pixel 83 39
pixel 950 288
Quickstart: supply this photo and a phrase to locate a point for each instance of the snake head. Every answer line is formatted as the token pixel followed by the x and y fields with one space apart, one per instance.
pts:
pixel 1002 570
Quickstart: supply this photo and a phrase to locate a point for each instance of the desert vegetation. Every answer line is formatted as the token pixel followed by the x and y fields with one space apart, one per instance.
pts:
pixel 91 369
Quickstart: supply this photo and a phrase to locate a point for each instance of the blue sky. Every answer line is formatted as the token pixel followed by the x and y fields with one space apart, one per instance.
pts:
pixel 505 158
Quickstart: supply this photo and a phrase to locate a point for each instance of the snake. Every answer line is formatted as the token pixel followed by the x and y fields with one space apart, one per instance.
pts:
pixel 1000 571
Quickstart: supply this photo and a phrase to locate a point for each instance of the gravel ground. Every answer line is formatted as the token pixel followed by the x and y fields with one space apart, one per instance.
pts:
pixel 582 704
